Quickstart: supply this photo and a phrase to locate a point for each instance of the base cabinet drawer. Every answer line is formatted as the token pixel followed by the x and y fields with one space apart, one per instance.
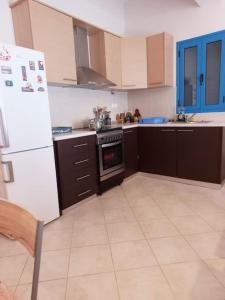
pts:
pixel 76 149
pixel 72 196
pixel 76 169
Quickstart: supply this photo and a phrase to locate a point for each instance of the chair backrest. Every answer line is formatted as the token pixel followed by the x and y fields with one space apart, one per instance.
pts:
pixel 18 223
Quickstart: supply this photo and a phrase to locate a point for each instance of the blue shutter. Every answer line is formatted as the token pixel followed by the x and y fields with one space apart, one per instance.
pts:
pixel 218 85
pixel 185 91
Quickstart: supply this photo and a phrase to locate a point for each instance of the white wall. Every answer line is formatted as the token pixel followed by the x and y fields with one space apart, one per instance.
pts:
pixel 70 106
pixel 183 19
pixel 6 27
pixel 105 14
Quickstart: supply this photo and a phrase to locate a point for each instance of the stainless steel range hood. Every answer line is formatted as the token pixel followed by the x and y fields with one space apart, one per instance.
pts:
pixel 86 76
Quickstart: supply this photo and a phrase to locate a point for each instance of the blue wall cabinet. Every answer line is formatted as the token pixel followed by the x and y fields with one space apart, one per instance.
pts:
pixel 201 73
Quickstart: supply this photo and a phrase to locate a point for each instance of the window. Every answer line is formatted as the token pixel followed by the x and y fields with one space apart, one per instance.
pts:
pixel 201 73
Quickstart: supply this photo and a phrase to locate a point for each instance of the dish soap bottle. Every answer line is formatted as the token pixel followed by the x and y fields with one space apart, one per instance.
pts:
pixel 181 115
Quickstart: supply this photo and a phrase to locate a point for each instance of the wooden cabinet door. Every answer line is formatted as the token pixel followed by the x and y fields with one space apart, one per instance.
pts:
pixel 146 138
pixel 199 153
pixel 105 55
pixel 130 138
pixel 165 151
pixel 157 150
pixel 52 33
pixel 113 58
pixel 134 63
pixel 160 60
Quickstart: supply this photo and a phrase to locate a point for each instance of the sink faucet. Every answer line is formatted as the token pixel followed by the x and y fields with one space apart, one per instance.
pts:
pixel 189 119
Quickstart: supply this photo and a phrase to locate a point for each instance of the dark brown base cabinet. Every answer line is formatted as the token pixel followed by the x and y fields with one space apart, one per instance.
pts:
pixel 130 137
pixel 200 153
pixel 76 169
pixel 157 150
pixel 196 153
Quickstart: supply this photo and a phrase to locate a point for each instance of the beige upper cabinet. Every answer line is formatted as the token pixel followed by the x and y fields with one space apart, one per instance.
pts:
pixel 134 63
pixel 105 55
pixel 113 58
pixel 42 28
pixel 160 60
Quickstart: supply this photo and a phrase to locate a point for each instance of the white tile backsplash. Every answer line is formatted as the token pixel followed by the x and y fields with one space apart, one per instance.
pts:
pixel 74 106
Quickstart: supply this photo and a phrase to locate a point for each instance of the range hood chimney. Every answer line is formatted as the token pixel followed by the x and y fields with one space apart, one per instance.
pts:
pixel 86 76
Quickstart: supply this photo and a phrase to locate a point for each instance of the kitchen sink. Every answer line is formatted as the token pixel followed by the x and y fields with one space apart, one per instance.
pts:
pixel 191 122
pixel 202 121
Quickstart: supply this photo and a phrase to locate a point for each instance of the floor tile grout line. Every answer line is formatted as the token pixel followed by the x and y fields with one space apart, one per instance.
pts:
pixel 160 266
pixel 138 221
pixel 195 232
pixel 211 272
pixel 69 259
pixel 166 279
pixel 172 293
pixel 170 220
pixel 46 280
pixel 202 260
pixel 145 238
pixel 110 249
pixel 178 262
pixel 18 282
pixel 181 236
pixel 209 224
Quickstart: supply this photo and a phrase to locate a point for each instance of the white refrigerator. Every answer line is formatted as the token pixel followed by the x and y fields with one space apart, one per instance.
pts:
pixel 27 156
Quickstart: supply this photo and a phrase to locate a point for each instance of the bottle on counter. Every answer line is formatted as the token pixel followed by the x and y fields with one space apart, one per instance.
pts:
pixel 137 115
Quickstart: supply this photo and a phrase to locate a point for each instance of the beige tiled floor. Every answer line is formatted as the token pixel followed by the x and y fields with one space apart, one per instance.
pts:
pixel 148 239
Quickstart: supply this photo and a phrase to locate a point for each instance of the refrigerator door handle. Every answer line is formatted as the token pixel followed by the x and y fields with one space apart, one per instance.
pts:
pixel 9 166
pixel 3 130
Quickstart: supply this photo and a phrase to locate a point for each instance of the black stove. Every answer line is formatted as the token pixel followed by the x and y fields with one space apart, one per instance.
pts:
pixel 110 157
pixel 107 128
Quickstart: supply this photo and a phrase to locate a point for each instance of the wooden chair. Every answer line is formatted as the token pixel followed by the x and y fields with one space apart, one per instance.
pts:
pixel 19 224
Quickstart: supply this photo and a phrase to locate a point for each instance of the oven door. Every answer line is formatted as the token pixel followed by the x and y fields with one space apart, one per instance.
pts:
pixel 111 158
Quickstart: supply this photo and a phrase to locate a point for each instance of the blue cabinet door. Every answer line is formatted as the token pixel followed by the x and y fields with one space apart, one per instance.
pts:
pixel 189 75
pixel 213 71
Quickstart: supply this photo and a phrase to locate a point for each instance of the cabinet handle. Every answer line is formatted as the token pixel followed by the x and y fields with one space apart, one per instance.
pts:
pixel 70 79
pixel 83 177
pixel 128 85
pixel 167 130
pixel 128 131
pixel 86 192
pixel 10 170
pixel 80 145
pixel 156 82
pixel 223 99
pixel 201 79
pixel 185 130
pixel 3 130
pixel 81 161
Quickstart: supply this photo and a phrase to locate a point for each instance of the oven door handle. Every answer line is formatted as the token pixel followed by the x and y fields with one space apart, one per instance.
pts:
pixel 111 144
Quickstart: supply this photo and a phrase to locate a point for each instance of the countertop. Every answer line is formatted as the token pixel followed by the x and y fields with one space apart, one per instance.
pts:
pixel 178 124
pixel 74 134
pixel 86 132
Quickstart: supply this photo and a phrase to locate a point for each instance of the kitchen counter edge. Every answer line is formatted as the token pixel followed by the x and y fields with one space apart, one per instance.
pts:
pixel 82 132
